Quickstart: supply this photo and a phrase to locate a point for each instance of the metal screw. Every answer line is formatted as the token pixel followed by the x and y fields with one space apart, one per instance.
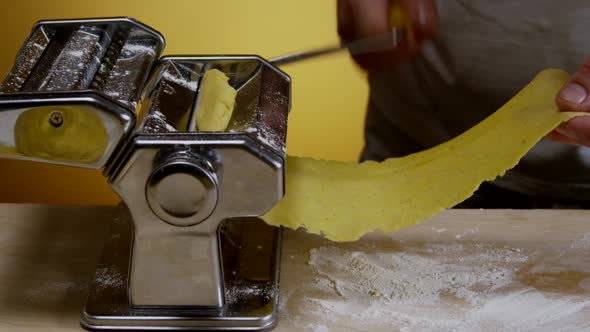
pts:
pixel 56 119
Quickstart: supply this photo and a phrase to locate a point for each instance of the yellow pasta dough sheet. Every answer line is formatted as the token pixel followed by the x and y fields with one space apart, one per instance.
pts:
pixel 343 200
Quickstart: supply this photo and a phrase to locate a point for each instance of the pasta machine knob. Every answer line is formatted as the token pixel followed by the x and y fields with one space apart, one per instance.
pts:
pixel 182 192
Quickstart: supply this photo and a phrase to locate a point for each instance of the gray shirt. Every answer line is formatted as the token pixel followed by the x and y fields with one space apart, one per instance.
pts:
pixel 483 54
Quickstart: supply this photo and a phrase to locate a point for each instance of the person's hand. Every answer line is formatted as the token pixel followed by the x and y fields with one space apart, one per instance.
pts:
pixel 364 18
pixel 574 97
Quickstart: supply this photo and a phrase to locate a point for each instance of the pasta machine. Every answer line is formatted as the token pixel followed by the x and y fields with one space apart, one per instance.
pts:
pixel 187 251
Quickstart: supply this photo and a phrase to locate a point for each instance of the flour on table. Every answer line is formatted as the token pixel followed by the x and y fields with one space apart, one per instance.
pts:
pixel 525 310
pixel 449 287
pixel 407 278
pixel 583 243
pixel 109 277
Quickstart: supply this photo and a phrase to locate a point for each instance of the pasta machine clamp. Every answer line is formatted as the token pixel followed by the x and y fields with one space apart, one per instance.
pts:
pixel 186 249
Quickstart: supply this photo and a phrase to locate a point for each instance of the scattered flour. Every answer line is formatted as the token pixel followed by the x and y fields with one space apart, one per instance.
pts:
pixel 271 141
pixel 525 310
pixel 159 115
pixel 466 232
pixel 76 53
pixel 413 279
pixel 156 122
pixel 583 243
pixel 131 48
pixel 109 277
pixel 317 328
pixel 438 287
pixel 43 290
pixel 191 85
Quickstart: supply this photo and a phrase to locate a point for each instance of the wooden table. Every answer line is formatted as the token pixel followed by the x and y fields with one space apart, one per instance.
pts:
pixel 462 270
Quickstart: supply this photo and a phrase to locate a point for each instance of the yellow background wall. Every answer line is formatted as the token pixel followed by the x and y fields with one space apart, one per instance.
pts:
pixel 329 94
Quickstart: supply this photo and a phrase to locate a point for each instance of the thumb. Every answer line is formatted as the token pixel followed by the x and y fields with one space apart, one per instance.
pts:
pixel 573 96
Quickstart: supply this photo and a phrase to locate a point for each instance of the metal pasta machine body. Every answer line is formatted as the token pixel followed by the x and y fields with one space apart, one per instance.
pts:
pixel 191 255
